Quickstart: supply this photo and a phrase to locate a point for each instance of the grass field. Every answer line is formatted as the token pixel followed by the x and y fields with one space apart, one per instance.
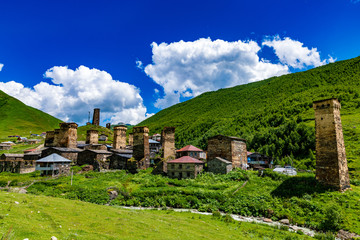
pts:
pixel 39 217
pixel 300 199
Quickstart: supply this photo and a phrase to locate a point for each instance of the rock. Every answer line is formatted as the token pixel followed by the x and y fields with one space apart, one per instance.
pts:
pixel 295 228
pixel 23 191
pixel 16 202
pixel 87 168
pixel 267 220
pixel 342 234
pixel 53 238
pixel 113 194
pixel 284 221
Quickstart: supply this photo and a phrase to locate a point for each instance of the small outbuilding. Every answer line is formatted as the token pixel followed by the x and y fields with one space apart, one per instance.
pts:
pixel 219 165
pixel 97 158
pixel 53 165
pixel 5 146
pixel 184 167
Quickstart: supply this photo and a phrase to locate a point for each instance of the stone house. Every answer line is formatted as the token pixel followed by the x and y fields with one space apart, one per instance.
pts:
pixel 5 146
pixel 184 167
pixel 15 163
pixel 191 151
pixel 219 165
pixel 156 137
pixel 53 165
pixel 97 158
pixel 154 146
pixel 68 153
pixel 232 149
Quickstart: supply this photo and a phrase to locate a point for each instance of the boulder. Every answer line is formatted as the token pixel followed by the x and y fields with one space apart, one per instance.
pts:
pixel 285 221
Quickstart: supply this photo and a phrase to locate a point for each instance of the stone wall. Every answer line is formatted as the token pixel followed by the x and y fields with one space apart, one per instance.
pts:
pixel 49 139
pixel 141 150
pixel 56 138
pixel 92 137
pixel 331 163
pixel 119 141
pixel 96 117
pixel 131 139
pixel 17 166
pixel 232 149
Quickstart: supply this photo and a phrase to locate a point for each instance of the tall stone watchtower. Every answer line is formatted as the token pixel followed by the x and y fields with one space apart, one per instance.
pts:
pixel 119 137
pixel 168 143
pixel 141 150
pixel 92 137
pixel 67 135
pixel 331 163
pixel 96 117
pixel 49 139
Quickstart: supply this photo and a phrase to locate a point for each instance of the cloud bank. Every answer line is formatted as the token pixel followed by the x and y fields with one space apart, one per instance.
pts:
pixel 75 92
pixel 187 69
pixel 292 53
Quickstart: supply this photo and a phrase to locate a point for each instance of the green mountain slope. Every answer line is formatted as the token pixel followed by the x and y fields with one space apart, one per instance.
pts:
pixel 274 115
pixel 16 118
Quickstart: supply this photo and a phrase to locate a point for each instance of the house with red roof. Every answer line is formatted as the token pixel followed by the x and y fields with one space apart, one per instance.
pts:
pixel 184 167
pixel 191 151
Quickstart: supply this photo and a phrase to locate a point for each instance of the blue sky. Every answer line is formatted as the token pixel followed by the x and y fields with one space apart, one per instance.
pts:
pixel 134 58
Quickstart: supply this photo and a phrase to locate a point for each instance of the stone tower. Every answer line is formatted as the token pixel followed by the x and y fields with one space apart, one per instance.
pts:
pixel 96 117
pixel 56 137
pixel 168 143
pixel 232 149
pixel 331 163
pixel 67 135
pixel 49 139
pixel 119 137
pixel 92 137
pixel 131 139
pixel 141 150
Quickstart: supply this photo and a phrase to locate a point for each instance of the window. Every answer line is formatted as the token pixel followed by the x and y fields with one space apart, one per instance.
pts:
pixel 180 166
pixel 188 174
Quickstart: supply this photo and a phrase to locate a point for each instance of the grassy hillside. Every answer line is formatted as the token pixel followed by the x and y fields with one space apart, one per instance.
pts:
pixel 16 118
pixel 274 115
pixel 39 217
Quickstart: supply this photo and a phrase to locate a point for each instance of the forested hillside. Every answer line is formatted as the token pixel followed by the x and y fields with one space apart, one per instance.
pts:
pixel 274 115
pixel 16 118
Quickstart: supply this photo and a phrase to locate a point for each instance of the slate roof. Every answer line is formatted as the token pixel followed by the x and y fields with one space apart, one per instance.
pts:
pixel 223 160
pixel 124 155
pixel 13 155
pixel 153 141
pixel 190 148
pixel 53 158
pixel 185 159
pixel 99 151
pixel 62 149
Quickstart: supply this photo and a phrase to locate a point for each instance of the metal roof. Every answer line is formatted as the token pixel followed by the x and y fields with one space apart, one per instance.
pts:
pixel 153 141
pixel 223 160
pixel 53 158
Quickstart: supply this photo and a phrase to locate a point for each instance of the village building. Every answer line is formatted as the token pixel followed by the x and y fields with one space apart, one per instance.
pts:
pixel 191 151
pixel 103 137
pixel 119 141
pixel 121 159
pixel 15 163
pixel 219 165
pixel 258 161
pixel 232 149
pixel 156 137
pixel 154 146
pixel 49 139
pixel 32 155
pixel 92 137
pixel 184 167
pixel 68 153
pixel 5 146
pixel 95 147
pixel 97 158
pixel 9 143
pixel 53 165
pixel 33 141
pixel 331 162
pixel 22 139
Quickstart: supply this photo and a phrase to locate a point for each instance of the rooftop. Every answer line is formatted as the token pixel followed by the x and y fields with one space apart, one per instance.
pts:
pixel 53 158
pixel 185 159
pixel 190 148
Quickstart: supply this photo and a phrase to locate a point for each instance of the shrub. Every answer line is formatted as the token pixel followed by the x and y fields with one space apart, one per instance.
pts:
pixel 333 219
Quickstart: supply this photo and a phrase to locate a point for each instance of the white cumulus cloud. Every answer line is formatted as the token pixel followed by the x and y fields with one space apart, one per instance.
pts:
pixel 187 69
pixel 1 66
pixel 75 92
pixel 294 54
